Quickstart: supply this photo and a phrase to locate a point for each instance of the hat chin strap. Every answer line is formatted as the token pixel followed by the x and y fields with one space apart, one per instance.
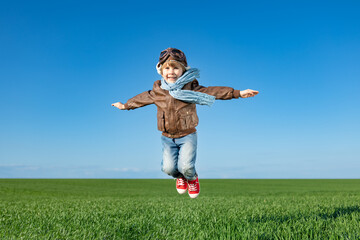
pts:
pixel 158 67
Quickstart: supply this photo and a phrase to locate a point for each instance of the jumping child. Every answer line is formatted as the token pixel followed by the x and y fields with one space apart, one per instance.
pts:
pixel 176 96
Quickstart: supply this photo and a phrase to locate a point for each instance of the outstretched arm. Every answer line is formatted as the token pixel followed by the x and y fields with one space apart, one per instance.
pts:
pixel 223 93
pixel 140 100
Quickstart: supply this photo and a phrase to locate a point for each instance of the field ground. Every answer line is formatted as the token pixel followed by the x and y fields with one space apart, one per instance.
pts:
pixel 152 209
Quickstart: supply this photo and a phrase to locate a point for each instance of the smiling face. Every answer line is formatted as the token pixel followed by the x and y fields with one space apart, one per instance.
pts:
pixel 171 71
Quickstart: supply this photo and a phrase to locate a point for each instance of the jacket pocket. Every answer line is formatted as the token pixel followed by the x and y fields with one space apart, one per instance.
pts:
pixel 188 120
pixel 161 120
pixel 185 122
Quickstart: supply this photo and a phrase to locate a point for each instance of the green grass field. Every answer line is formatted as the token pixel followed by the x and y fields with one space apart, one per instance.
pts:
pixel 152 209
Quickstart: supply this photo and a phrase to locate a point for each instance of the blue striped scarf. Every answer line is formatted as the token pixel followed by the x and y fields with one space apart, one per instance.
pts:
pixel 187 95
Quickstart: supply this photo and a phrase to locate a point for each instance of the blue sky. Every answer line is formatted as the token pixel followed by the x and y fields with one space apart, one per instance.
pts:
pixel 62 64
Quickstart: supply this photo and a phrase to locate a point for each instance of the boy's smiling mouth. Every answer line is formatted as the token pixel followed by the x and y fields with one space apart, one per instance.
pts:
pixel 172 77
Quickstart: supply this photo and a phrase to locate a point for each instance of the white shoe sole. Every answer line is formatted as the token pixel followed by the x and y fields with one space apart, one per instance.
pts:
pixel 194 195
pixel 181 191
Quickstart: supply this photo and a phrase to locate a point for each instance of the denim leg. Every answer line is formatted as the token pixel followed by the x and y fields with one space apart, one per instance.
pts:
pixel 187 155
pixel 169 163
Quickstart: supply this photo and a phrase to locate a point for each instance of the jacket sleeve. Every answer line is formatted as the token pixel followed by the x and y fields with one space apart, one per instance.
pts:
pixel 140 100
pixel 223 93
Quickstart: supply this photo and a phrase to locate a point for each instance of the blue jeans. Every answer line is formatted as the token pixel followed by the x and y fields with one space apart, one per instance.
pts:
pixel 179 156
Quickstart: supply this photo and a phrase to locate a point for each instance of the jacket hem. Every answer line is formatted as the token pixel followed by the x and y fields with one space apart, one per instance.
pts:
pixel 179 134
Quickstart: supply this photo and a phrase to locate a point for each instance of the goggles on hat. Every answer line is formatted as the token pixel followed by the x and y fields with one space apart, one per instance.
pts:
pixel 175 53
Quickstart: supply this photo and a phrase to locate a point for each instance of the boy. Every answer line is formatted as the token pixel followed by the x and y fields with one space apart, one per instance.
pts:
pixel 176 96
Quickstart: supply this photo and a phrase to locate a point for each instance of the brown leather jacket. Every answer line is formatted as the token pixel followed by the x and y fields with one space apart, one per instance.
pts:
pixel 176 118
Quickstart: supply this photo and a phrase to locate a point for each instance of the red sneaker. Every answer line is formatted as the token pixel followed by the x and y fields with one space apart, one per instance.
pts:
pixel 194 188
pixel 181 185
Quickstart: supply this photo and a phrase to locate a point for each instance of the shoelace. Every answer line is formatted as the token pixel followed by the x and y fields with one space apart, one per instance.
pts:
pixel 192 187
pixel 181 182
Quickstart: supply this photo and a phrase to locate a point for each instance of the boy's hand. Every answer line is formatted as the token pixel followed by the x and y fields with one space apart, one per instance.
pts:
pixel 119 105
pixel 248 93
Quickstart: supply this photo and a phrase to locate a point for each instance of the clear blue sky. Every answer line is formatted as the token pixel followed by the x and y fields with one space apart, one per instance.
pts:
pixel 63 63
